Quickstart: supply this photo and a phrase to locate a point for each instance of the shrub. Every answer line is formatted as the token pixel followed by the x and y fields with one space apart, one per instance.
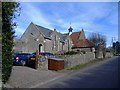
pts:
pixel 70 53
pixel 8 13
pixel 83 52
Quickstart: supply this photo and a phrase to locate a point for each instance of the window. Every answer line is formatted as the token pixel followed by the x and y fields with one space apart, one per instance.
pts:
pixel 55 38
pixel 31 33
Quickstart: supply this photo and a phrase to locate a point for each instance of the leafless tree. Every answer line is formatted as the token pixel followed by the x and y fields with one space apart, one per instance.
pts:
pixel 99 42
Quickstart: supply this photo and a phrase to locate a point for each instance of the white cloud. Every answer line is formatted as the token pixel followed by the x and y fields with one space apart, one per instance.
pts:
pixel 85 16
pixel 34 15
pixel 92 17
pixel 60 21
pixel 19 31
pixel 29 14
pixel 93 11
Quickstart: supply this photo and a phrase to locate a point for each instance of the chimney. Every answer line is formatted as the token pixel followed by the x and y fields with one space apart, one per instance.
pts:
pixel 82 35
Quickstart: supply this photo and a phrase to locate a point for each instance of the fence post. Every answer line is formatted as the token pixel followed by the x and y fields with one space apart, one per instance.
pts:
pixel 36 60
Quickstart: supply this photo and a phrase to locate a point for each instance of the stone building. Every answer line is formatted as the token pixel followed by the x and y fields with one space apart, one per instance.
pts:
pixel 45 40
pixel 80 43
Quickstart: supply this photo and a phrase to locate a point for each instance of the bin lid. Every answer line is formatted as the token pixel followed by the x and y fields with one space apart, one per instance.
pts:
pixel 58 59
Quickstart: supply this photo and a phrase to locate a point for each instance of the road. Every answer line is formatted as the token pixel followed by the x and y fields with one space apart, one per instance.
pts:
pixel 101 75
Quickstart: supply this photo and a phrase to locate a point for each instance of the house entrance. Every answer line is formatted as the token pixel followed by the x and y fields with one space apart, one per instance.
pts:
pixel 40 47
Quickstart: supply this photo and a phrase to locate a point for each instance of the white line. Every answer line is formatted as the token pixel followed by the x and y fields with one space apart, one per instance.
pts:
pixel 42 83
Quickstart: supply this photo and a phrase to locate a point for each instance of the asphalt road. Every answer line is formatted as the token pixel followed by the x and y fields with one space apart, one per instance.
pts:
pixel 101 75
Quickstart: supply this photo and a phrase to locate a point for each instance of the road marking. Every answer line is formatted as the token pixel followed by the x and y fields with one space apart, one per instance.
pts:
pixel 42 83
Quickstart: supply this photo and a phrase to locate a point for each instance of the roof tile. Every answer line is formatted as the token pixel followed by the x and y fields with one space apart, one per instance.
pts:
pixel 78 43
pixel 75 37
pixel 83 43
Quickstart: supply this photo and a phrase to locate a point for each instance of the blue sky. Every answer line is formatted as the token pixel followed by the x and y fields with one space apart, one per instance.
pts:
pixel 98 17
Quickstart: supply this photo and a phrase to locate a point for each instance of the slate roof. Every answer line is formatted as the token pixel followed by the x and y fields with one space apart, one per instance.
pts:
pixel 45 31
pixel 77 43
pixel 63 36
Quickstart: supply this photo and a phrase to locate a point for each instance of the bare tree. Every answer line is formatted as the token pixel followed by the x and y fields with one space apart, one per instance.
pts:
pixel 99 42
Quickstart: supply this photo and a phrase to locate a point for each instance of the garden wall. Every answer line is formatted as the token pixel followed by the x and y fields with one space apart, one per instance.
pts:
pixel 72 60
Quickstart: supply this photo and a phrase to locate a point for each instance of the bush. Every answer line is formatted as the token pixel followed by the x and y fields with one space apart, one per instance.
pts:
pixel 8 13
pixel 83 52
pixel 70 53
pixel 108 50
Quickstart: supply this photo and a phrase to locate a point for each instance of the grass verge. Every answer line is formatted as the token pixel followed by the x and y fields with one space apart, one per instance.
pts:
pixel 77 67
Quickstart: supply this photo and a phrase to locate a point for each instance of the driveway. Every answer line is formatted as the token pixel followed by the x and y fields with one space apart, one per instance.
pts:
pixel 25 77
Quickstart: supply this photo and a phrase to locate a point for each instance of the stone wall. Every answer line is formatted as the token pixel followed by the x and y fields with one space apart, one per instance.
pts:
pixel 77 59
pixel 69 60
pixel 43 65
pixel 72 60
pixel 99 54
pixel 109 55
